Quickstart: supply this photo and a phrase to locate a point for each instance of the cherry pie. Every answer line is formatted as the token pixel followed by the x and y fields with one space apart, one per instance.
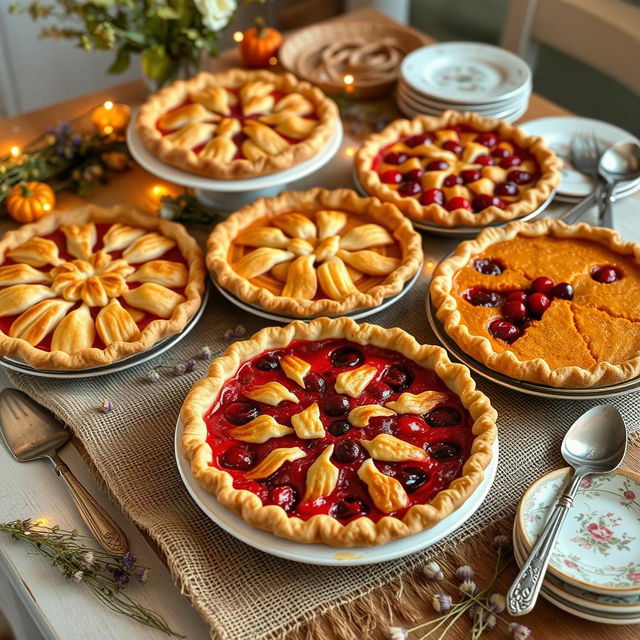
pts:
pixel 91 286
pixel 458 169
pixel 334 432
pixel 314 252
pixel 545 302
pixel 237 124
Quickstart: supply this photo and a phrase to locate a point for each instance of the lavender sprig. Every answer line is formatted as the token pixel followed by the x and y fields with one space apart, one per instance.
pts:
pixel 104 573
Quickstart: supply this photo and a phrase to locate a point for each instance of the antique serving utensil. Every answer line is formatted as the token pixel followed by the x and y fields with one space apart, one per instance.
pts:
pixel 31 432
pixel 620 163
pixel 595 443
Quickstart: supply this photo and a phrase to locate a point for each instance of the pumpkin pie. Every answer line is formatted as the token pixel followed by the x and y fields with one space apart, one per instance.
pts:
pixel 89 287
pixel 458 169
pixel 545 302
pixel 329 431
pixel 237 124
pixel 314 252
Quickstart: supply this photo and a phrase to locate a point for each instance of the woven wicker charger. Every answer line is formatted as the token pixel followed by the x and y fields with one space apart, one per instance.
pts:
pixel 301 54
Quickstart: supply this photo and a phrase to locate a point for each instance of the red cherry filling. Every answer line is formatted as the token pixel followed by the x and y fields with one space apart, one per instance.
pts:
pixel 452 181
pixel 418 139
pixel 348 450
pixel 488 267
pixel 241 412
pixel 606 274
pixel 538 303
pixel 443 417
pixel 444 451
pixel 514 311
pixel 314 382
pixel 453 146
pixel 268 363
pixel 338 427
pixel 503 330
pixel 238 457
pixel 347 357
pixel 437 165
pixel 485 160
pixel 379 391
pixel 542 285
pixel 398 378
pixel 508 162
pixel 396 157
pixel 520 177
pixel 500 152
pixel 412 479
pixel 349 508
pixel 391 177
pixel 520 296
pixel 484 200
pixel 408 189
pixel 508 189
pixel 470 175
pixel 413 175
pixel 481 297
pixel 563 290
pixel 487 139
pixel 337 405
pixel 458 203
pixel 283 496
pixel 432 196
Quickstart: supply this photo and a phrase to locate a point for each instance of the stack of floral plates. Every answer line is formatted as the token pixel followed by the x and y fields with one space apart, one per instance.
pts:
pixel 594 571
pixel 464 76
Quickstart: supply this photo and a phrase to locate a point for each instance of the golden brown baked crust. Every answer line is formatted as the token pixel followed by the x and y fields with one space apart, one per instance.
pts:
pixel 370 181
pixel 155 331
pixel 323 528
pixel 371 209
pixel 176 93
pixel 537 369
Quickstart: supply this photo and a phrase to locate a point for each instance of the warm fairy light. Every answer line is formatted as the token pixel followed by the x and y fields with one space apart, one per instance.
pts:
pixel 15 151
pixel 238 36
pixel 46 206
pixel 108 105
pixel 108 129
pixel 428 264
pixel 273 60
pixel 348 79
pixel 159 190
pixel 350 152
pixel 42 522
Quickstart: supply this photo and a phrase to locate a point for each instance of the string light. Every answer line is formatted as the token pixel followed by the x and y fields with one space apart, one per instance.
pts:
pixel 238 36
pixel 108 105
pixel 15 151
pixel 159 190
pixel 107 129
pixel 46 206
pixel 350 152
pixel 348 79
pixel 273 60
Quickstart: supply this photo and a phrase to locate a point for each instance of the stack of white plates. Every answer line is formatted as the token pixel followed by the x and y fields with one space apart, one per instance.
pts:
pixel 594 571
pixel 464 76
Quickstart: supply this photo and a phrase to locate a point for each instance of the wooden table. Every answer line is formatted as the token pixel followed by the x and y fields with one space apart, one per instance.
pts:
pixel 33 490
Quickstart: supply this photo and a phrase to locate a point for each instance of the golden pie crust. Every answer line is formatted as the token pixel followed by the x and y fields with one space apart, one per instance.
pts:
pixel 324 528
pixel 533 197
pixel 276 154
pixel 318 251
pixel 70 290
pixel 599 328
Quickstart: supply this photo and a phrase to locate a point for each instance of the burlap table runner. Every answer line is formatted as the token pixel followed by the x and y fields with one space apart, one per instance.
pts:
pixel 243 593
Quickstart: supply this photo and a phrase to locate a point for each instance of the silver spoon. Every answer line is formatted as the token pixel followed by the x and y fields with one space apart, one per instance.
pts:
pixel 620 163
pixel 595 443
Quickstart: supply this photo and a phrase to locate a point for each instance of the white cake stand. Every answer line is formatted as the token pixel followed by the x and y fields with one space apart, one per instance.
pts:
pixel 229 195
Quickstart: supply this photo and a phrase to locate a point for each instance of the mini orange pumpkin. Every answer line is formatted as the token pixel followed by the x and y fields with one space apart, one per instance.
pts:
pixel 29 201
pixel 259 45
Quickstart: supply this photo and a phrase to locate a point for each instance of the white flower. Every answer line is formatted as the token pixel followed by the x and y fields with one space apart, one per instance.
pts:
pixel 77 576
pixel 216 13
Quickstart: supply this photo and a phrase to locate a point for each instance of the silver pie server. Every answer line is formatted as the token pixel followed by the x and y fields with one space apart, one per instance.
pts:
pixel 595 443
pixel 32 432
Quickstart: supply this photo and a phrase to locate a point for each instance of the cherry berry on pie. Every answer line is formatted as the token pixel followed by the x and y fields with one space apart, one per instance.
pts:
pixel 237 124
pixel 91 286
pixel 314 252
pixel 457 169
pixel 393 440
pixel 545 302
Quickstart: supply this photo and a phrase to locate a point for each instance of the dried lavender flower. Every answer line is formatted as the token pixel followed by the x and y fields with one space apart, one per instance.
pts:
pixel 397 633
pixel 142 575
pixel 205 353
pixel 500 543
pixel 519 631
pixel 179 370
pixel 497 602
pixel 189 366
pixel 106 406
pixel 468 588
pixel 129 560
pixel 441 602
pixel 465 572
pixel 433 571
pixel 489 620
pixel 153 376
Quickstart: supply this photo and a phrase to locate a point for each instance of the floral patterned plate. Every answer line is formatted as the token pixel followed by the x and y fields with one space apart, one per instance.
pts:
pixel 599 545
pixel 608 604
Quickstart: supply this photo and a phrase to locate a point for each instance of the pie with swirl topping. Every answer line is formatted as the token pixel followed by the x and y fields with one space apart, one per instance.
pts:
pixel 545 302
pixel 314 252
pixel 458 169
pixel 334 432
pixel 237 124
pixel 89 287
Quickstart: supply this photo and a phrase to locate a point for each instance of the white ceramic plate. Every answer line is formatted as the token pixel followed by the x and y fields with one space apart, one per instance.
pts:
pixel 355 315
pixel 598 548
pixel 523 386
pixel 465 72
pixel 609 605
pixel 558 132
pixel 322 554
pixel 121 365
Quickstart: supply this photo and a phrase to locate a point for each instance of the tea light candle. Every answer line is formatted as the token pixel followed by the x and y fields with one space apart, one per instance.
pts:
pixel 110 117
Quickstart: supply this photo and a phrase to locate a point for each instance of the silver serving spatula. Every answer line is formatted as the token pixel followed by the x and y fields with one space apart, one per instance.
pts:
pixel 32 432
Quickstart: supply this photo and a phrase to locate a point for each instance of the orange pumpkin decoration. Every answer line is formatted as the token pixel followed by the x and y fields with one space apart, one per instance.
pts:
pixel 29 201
pixel 259 45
